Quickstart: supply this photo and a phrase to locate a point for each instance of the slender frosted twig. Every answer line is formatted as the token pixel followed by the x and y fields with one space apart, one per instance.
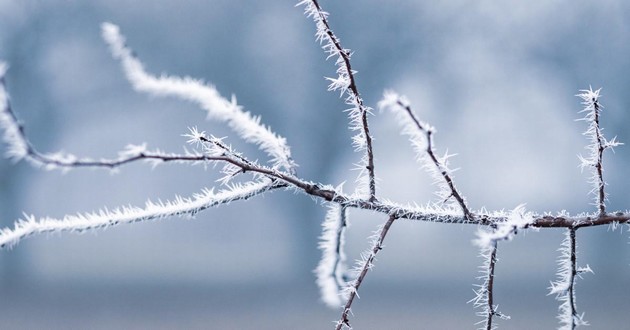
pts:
pixel 593 108
pixel 346 83
pixel 564 286
pixel 106 218
pixel 217 107
pixel 421 136
pixel 368 263
pixel 332 266
pixel 488 241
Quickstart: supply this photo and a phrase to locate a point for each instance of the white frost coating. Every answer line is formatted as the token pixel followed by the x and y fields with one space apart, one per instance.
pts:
pixel 487 242
pixel 342 84
pixel 561 287
pixel 17 146
pixel 129 214
pixel 332 267
pixel 505 231
pixel 399 105
pixel 598 143
pixel 243 123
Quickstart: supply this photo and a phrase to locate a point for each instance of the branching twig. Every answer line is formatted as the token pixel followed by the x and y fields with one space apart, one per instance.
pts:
pixel 281 174
pixel 368 263
pixel 346 83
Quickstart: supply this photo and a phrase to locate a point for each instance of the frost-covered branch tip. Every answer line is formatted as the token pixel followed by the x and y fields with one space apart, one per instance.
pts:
pixel 105 218
pixel 421 138
pixel 332 266
pixel 363 266
pixel 564 286
pixel 346 84
pixel 206 96
pixel 598 143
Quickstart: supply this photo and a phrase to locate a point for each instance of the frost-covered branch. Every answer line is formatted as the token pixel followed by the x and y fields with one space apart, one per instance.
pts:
pixel 484 293
pixel 332 267
pixel 594 160
pixel 365 264
pixel 421 137
pixel 564 286
pixel 19 147
pixel 217 107
pixel 105 218
pixel 346 84
pixel 331 272
pixel 488 240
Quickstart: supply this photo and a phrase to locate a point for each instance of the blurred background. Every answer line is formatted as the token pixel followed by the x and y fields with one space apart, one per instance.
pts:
pixel 496 79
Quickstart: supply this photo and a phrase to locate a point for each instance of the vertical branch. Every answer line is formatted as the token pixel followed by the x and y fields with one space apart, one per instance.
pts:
pixel 484 294
pixel 331 269
pixel 368 261
pixel 564 286
pixel 489 310
pixel 488 242
pixel 593 108
pixel 418 131
pixel 346 83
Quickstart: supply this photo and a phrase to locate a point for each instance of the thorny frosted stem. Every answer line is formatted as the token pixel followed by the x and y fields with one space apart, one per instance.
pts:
pixel 367 265
pixel 351 89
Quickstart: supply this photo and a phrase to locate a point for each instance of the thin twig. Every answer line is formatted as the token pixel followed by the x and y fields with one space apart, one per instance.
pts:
pixel 490 291
pixel 440 166
pixel 593 108
pixel 354 98
pixel 574 272
pixel 367 265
